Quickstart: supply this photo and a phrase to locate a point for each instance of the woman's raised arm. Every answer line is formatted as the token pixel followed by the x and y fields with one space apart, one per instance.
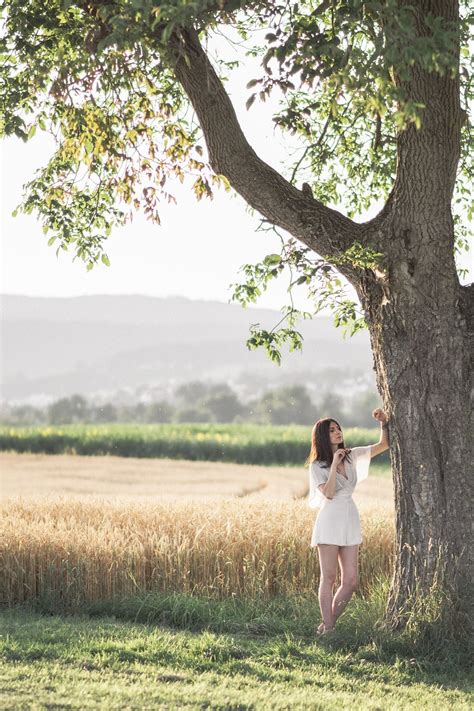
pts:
pixel 383 444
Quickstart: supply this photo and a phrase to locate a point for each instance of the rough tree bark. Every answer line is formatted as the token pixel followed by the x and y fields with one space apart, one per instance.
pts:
pixel 419 317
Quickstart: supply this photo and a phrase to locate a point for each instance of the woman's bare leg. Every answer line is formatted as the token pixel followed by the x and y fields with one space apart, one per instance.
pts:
pixel 348 561
pixel 328 567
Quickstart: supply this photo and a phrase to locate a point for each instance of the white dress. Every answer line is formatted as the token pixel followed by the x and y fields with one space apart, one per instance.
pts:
pixel 338 521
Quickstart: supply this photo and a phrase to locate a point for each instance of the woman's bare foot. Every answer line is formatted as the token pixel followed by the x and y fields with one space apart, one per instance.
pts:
pixel 327 630
pixel 320 629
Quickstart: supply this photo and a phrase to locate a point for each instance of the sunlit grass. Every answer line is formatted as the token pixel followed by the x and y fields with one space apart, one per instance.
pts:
pixel 182 651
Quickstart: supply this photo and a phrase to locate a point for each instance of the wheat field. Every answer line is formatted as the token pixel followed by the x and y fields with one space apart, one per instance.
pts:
pixel 81 529
pixel 78 552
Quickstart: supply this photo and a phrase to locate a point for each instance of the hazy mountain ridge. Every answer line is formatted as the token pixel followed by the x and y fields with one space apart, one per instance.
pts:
pixel 58 346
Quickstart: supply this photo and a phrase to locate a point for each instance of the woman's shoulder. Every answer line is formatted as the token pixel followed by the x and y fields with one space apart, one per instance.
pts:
pixel 318 464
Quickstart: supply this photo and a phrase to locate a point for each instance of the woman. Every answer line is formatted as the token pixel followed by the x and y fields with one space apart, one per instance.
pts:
pixel 334 471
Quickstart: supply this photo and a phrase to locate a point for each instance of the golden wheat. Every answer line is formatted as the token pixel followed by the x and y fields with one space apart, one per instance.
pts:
pixel 77 552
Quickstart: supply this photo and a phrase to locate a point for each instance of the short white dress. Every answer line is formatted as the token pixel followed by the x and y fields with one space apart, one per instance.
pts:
pixel 337 522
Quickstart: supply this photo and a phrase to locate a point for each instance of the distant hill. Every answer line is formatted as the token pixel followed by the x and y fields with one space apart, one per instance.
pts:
pixel 60 346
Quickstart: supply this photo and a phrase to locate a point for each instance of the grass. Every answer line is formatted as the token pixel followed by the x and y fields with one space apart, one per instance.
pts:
pixel 178 651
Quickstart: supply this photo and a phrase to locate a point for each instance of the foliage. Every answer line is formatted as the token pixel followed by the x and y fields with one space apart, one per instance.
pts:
pixel 224 406
pixel 68 409
pixel 203 402
pixel 323 284
pixel 198 401
pixel 283 405
pixel 79 72
pixel 100 78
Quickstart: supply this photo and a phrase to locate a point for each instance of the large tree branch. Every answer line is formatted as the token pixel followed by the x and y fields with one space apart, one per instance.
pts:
pixel 324 230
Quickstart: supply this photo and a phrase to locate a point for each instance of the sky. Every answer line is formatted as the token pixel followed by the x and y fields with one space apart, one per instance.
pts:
pixel 196 252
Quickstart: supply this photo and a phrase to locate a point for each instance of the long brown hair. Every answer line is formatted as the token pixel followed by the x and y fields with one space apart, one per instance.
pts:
pixel 321 449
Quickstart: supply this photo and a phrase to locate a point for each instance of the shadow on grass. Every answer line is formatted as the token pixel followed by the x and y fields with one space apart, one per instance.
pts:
pixel 283 631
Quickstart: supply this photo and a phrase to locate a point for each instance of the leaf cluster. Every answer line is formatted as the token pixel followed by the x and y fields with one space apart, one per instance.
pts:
pixel 87 74
pixel 322 284
pixel 342 68
pixel 343 71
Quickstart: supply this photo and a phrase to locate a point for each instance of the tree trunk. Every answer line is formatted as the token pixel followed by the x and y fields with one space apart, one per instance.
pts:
pixel 420 334
pixel 419 318
pixel 419 337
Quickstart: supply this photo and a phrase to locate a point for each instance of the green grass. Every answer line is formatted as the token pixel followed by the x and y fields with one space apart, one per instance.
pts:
pixel 180 652
pixel 379 467
pixel 245 444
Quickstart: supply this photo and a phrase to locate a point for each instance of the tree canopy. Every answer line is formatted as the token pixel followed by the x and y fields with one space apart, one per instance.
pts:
pixel 103 77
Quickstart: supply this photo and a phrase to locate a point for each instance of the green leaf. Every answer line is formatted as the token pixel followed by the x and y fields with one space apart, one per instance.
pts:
pixel 272 259
pixel 250 101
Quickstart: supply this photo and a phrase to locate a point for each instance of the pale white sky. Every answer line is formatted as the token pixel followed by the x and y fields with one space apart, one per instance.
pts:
pixel 196 252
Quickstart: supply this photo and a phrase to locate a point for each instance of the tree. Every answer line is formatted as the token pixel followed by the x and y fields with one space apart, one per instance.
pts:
pixel 223 403
pixel 68 410
pixel 189 393
pixel 376 93
pixel 285 406
pixel 105 413
pixel 160 411
pixel 194 414
pixel 207 402
pixel 24 415
pixel 332 405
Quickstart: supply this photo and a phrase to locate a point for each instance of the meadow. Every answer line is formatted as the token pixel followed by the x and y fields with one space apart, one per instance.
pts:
pixel 188 606
pixel 179 652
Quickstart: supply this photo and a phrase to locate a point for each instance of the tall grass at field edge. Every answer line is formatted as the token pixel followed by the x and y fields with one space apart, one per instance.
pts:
pixel 359 633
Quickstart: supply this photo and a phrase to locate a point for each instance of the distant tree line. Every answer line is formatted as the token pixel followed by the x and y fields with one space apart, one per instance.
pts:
pixel 198 401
